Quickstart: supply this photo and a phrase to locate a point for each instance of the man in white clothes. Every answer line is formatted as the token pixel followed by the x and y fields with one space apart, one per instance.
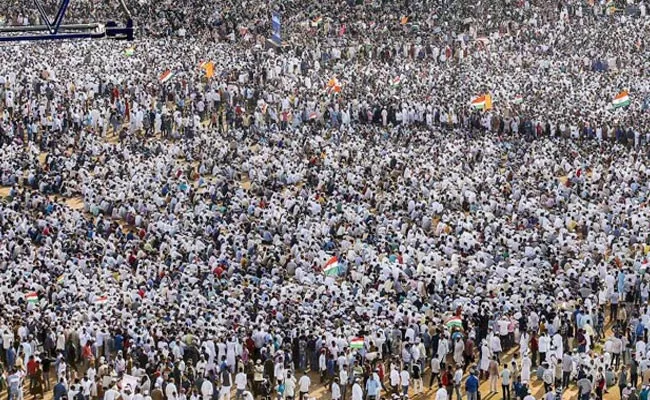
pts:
pixel 405 380
pixel 394 378
pixel 357 392
pixel 303 385
pixel 240 384
pixel 207 389
pixel 336 390
pixel 171 392
pixel 544 347
pixel 441 394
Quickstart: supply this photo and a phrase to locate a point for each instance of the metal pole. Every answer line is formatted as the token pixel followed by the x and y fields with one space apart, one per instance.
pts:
pixel 60 15
pixel 58 36
pixel 41 28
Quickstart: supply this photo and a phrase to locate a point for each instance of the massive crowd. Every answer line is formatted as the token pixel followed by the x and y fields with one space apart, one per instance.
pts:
pixel 332 210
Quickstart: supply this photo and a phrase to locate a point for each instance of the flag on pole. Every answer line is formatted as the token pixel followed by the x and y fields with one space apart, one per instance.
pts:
pixel 483 102
pixel 31 297
pixel 396 81
pixel 208 67
pixel 454 322
pixel 331 268
pixel 404 20
pixel 209 70
pixel 313 115
pixel 129 51
pixel 165 76
pixel 316 21
pixel 357 343
pixel 621 100
pixel 333 86
pixel 101 300
pixel 60 279
pixel 518 99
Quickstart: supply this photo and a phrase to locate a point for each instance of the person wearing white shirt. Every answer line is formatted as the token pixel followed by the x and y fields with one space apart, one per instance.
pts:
pixel 394 377
pixel 111 394
pixel 458 377
pixel 441 394
pixel 240 384
pixel 85 387
pixel 289 387
pixel 544 346
pixel 357 392
pixel 405 379
pixel 336 390
pixel 640 348
pixel 435 370
pixel 322 365
pixel 171 393
pixel 495 346
pixel 343 381
pixel 303 384
pixel 207 389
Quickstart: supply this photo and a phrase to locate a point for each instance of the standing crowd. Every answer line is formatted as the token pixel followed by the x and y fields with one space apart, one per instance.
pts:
pixel 329 217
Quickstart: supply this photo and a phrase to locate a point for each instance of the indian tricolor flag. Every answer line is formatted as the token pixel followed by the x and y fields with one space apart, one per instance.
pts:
pixel 316 21
pixel 129 51
pixel 331 267
pixel 60 279
pixel 483 102
pixel 31 297
pixel 396 81
pixel 621 100
pixel 333 86
pixel 454 323
pixel 518 99
pixel 101 300
pixel 356 343
pixel 165 76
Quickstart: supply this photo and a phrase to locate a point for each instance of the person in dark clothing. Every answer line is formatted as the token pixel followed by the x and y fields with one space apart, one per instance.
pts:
pixel 60 390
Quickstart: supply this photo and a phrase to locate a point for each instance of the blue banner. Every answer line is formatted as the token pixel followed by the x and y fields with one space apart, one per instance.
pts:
pixel 276 26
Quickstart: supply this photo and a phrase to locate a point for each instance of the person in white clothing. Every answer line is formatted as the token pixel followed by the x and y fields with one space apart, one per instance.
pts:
pixel 441 394
pixel 171 392
pixel 336 390
pixel 544 347
pixel 303 385
pixel 357 392
pixel 289 387
pixel 207 389
pixel 394 377
pixel 405 380
pixel 112 393
pixel 240 384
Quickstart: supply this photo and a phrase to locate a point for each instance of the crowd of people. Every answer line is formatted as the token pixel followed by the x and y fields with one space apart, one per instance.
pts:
pixel 329 217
